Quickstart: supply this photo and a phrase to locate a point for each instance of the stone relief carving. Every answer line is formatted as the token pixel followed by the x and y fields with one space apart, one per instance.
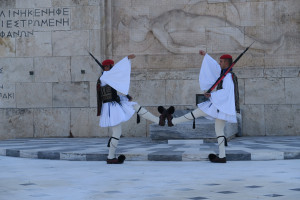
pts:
pixel 182 32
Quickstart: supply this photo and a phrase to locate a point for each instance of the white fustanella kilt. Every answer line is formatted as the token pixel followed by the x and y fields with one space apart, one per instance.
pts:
pixel 113 113
pixel 212 112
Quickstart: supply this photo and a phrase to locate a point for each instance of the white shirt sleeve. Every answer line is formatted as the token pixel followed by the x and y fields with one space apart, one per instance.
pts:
pixel 209 72
pixel 119 76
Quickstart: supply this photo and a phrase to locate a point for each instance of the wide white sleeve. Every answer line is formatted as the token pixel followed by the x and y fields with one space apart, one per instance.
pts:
pixel 224 98
pixel 209 72
pixel 119 76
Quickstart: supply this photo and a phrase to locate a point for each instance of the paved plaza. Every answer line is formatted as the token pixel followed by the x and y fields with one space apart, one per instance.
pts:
pixel 42 179
pixel 74 169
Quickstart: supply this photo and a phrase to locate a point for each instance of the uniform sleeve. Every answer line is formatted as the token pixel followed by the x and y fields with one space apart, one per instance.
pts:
pixel 119 76
pixel 209 72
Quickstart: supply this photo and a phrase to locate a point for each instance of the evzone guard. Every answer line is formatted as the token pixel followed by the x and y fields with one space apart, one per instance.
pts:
pixel 113 108
pixel 221 105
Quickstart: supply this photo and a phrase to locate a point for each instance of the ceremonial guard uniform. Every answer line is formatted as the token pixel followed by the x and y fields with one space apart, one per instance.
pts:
pixel 113 108
pixel 222 103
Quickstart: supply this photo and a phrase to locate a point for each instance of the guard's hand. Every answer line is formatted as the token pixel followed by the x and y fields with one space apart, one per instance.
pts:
pixel 131 56
pixel 207 95
pixel 129 97
pixel 201 52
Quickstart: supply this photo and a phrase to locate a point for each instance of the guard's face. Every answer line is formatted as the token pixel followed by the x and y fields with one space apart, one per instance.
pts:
pixel 107 67
pixel 223 64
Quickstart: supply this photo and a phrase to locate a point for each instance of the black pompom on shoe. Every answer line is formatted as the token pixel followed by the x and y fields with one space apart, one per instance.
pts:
pixel 170 112
pixel 162 117
pixel 215 159
pixel 121 158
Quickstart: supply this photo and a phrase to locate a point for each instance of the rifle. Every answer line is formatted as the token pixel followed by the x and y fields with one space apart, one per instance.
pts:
pixel 97 61
pixel 226 72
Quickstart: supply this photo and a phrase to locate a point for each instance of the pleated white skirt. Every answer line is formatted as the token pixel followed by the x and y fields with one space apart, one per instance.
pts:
pixel 213 113
pixel 113 113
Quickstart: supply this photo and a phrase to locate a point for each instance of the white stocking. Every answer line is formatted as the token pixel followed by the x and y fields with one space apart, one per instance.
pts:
pixel 219 128
pixel 187 117
pixel 145 113
pixel 116 133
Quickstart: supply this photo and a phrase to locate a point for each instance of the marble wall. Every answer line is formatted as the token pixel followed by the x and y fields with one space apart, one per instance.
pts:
pixel 47 79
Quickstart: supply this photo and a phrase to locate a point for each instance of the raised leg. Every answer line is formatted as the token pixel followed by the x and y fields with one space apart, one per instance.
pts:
pixel 189 116
pixel 145 113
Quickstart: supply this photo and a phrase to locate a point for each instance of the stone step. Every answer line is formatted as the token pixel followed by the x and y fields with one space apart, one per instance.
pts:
pixel 185 142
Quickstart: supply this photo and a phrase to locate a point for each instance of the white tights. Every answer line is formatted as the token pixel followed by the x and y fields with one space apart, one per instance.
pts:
pixel 219 127
pixel 117 130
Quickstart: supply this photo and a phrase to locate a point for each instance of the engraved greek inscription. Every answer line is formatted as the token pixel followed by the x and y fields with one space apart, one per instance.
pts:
pixel 7 95
pixel 21 22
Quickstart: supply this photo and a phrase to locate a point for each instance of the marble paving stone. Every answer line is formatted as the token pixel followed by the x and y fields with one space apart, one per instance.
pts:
pixel 72 156
pixel 49 155
pixel 96 157
pixel 266 155
pixel 13 153
pixel 28 154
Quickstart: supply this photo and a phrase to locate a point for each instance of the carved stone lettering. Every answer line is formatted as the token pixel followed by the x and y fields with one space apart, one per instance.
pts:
pixel 23 22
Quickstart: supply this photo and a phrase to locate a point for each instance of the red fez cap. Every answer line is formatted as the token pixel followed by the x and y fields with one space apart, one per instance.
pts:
pixel 108 62
pixel 226 56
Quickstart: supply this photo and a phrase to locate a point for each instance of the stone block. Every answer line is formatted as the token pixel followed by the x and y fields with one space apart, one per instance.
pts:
pixel 57 3
pixel 253 120
pixel 165 74
pixel 264 91
pixel 85 18
pixel 52 69
pixel 84 68
pixel 279 120
pixel 296 114
pixel 33 95
pixel 93 94
pixel 96 43
pixel 246 13
pixel 75 94
pixel 182 92
pixel 273 72
pixel 175 62
pixel 95 2
pixel 7 47
pixel 51 122
pixel 70 43
pixel 16 123
pixel 8 95
pixel 85 123
pixel 290 72
pixel 16 70
pixel 8 4
pixel 292 90
pixel 283 60
pixel 40 44
pixel 33 3
pixel 148 93
pixel 241 83
pixel 225 34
